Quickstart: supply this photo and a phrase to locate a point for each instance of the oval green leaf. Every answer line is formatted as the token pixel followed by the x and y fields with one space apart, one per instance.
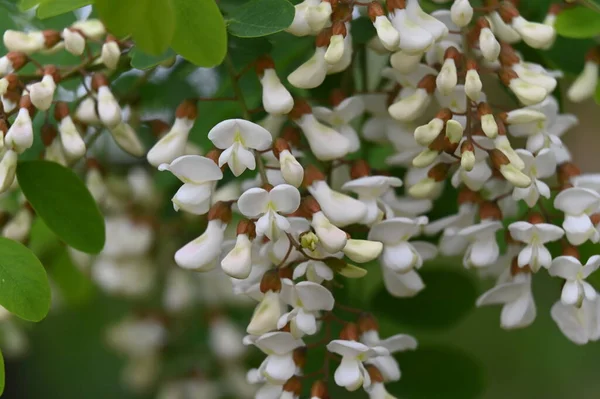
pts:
pixel 52 8
pixel 141 60
pixel 439 372
pixel 578 23
pixel 260 18
pixel 200 34
pixel 24 288
pixel 448 297
pixel 61 199
pixel 150 22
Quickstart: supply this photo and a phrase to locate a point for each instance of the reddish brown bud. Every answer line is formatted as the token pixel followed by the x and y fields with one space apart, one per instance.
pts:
pixel 17 59
pixel 51 38
pixel 498 158
pixel 472 64
pixel 393 5
pixel 247 227
pixel 187 109
pixel 339 28
pixel 349 332
pixel 467 146
pixel 336 97
pixel 490 210
pixel 13 82
pixel 293 385
pixel 25 102
pixel 279 146
pixel 300 357
pixel 536 218
pixel 444 114
pixel 466 196
pixel 555 9
pixel 481 23
pixel 262 63
pixel 593 55
pixel 439 172
pixel 508 11
pixel 286 272
pixel 311 205
pixel 508 56
pixel 566 172
pixel 270 282
pixel 214 155
pixel 367 322
pixel 311 174
pixel 506 75
pixel 453 53
pixel 374 10
pixel 99 80
pixel 291 135
pixel 595 218
pixel 484 109
pixel 48 134
pixel 570 250
pixel 222 211
pixel 360 168
pixel 428 83
pixel 61 110
pixel 51 70
pixel 301 107
pixel 319 390
pixel 323 38
pixel 375 374
pixel 93 163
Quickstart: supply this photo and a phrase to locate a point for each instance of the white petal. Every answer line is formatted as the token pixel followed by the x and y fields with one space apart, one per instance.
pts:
pixel 348 374
pixel 194 169
pixel 314 296
pixel 571 293
pixel 566 267
pixel 285 198
pixel 253 202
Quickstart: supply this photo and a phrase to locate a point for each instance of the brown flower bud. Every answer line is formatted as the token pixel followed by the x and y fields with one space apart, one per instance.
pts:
pixel 214 155
pixel 570 250
pixel 375 374
pixel 17 59
pixel 311 205
pixel 311 174
pixel 222 211
pixel 48 134
pixel 490 210
pixel 336 97
pixel 593 55
pixel 566 172
pixel 595 218
pixel 286 272
pixel 472 64
pixel 467 146
pixel 319 390
pixel 301 107
pixel 93 163
pixel 263 63
pixel 279 146
pixel 51 38
pixel 393 5
pixel 187 109
pixel 444 114
pixel 466 196
pixel 339 28
pixel 323 38
pixel 428 83
pixel 25 102
pixel 51 70
pixel 13 82
pixel 498 158
pixel 484 109
pixel 293 385
pixel 349 332
pixel 61 110
pixel 247 227
pixel 374 10
pixel 299 356
pixel 439 172
pixel 508 11
pixel 270 282
pixel 367 322
pixel 291 135
pixel 453 53
pixel 508 56
pixel 536 218
pixel 360 168
pixel 99 80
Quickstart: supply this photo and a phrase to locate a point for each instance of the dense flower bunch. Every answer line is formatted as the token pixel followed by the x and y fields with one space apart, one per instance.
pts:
pixel 287 236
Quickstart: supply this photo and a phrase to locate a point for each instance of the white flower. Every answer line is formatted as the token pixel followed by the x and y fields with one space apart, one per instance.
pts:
pixel 197 174
pixel 580 324
pixel 86 112
pixel 534 34
pixel 335 50
pixel 291 170
pixel 515 295
pixel 20 135
pixel 351 372
pixel 332 238
pixel 340 118
pixel 325 143
pixel 535 254
pixel 8 168
pixel 19 226
pixel 276 98
pixel 426 21
pixel 127 139
pixel 369 189
pixel 389 36
pixel 398 254
pixel 74 41
pixel 386 364
pixel 461 12
pixel 571 269
pixel 409 108
pixel 27 43
pixel 378 391
pixel 42 93
pixel 300 26
pixel 578 204
pixel 109 110
pixel 318 15
pixel 172 144
pixel 110 54
pixel 340 209
pixel 488 44
pixel 414 39
pixel 362 251
pixel 307 299
pixel 315 271
pixel 483 248
pixel 542 166
pixel 202 253
pixel 266 205
pixel 266 314
pixel 585 84
pixel 91 28
pixel 279 347
pixel 238 262
pixel 236 137
pixel 312 73
pixel 452 243
pixel 504 31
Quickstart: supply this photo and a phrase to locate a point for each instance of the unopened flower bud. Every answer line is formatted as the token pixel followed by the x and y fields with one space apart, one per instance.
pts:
pixel 74 41
pixel 20 135
pixel 488 44
pixel 319 390
pixel 362 251
pixel 172 144
pixel 584 86
pixel 473 85
pixel 386 32
pixel 110 53
pixel 266 314
pixel 527 93
pixel 425 134
pixel 350 332
pixel 454 132
pixel 127 139
pixel 8 167
pixel 12 62
pixel 461 13
pixel 447 79
pixel 109 110
pixel 467 157
pixel 42 93
pixel 335 50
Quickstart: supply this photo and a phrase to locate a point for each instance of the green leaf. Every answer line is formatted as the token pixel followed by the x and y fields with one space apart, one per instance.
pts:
pixel 448 297
pixel 260 18
pixel 141 60
pixel 51 8
pixel 597 94
pixel 24 288
pixel 25 5
pixel 578 23
pixel 439 372
pixel 2 376
pixel 61 199
pixel 200 35
pixel 74 286
pixel 150 22
pixel 362 30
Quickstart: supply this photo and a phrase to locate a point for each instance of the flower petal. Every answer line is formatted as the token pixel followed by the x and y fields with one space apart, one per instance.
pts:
pixel 285 198
pixel 194 169
pixel 253 202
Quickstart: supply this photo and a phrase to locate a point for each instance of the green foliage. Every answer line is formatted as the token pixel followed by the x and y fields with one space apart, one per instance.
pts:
pixel 260 18
pixel 200 35
pixel 141 60
pixel 597 95
pixel 362 30
pixel 24 288
pixel 75 288
pixel 61 199
pixel 578 23
pixel 448 296
pixel 439 372
pixel 2 376
pixel 51 8
pixel 151 23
